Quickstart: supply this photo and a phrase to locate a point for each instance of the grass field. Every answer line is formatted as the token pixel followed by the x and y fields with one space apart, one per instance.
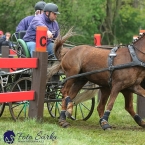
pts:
pixel 47 132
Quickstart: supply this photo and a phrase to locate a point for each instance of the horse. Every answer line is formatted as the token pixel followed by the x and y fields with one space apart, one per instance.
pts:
pixel 121 69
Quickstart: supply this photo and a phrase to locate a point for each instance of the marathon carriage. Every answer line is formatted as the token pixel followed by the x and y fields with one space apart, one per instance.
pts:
pixel 20 80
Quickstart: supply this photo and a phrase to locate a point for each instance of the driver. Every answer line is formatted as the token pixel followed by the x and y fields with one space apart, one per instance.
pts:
pixel 47 19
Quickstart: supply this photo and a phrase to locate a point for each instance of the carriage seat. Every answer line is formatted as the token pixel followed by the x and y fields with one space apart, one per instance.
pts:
pixel 20 34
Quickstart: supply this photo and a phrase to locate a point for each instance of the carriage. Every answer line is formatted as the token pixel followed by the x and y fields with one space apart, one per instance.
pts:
pixel 20 80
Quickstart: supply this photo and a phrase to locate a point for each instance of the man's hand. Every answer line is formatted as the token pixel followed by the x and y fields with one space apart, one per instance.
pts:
pixel 49 34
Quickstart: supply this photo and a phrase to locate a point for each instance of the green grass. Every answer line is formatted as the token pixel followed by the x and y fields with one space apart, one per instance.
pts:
pixel 124 132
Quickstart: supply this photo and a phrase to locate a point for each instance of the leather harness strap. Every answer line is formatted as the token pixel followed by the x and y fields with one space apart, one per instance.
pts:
pixel 135 61
pixel 111 67
pixel 110 63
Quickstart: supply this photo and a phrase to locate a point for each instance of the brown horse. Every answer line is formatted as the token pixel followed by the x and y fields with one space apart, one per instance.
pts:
pixel 121 70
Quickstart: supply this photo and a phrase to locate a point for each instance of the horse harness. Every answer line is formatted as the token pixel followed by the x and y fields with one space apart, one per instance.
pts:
pixel 111 67
pixel 112 55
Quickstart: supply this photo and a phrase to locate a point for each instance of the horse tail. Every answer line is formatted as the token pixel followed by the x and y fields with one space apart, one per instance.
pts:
pixel 59 50
pixel 53 70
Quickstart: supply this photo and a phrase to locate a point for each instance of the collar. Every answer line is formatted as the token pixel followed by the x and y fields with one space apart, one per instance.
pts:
pixel 46 18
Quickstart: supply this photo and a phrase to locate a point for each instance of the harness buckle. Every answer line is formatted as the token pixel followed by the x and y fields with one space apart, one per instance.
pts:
pixel 112 54
pixel 111 68
pixel 142 64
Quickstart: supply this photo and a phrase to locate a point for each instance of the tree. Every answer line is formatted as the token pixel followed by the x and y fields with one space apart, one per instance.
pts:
pixel 123 19
pixel 84 15
pixel 11 12
pixel 116 20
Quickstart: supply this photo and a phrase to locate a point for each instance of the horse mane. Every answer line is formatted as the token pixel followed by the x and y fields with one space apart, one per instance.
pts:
pixel 59 50
pixel 138 38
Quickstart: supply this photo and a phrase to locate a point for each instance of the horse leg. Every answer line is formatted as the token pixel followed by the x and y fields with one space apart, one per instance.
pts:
pixel 65 102
pixel 128 96
pixel 62 120
pixel 78 84
pixel 137 89
pixel 105 92
pixel 65 105
pixel 140 91
pixel 104 120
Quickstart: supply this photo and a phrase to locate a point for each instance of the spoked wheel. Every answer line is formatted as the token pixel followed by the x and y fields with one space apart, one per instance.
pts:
pixel 81 111
pixel 85 101
pixel 84 110
pixel 53 97
pixel 19 110
pixel 53 100
pixel 20 51
pixel 2 105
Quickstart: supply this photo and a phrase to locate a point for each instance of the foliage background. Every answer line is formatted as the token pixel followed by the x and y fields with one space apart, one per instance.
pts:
pixel 116 20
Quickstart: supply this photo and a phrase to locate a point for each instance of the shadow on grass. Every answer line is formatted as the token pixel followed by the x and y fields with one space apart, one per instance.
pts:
pixel 90 124
pixel 93 125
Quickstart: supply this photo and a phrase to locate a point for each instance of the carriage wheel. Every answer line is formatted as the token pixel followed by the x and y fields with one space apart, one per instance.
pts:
pixel 82 111
pixel 19 110
pixel 22 49
pixel 2 105
pixel 53 100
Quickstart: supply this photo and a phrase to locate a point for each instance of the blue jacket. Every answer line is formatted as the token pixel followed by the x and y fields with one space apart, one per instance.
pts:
pixel 41 20
pixel 24 23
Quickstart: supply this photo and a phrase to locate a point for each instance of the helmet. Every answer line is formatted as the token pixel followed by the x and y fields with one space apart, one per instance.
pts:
pixel 51 7
pixel 40 5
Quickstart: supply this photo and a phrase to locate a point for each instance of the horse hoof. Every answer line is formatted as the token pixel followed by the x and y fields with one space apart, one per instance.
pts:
pixel 142 124
pixel 63 123
pixel 105 125
pixel 68 115
pixel 108 129
pixel 66 125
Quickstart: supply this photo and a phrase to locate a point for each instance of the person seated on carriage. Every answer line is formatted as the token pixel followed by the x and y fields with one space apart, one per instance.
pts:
pixel 25 22
pixel 47 19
